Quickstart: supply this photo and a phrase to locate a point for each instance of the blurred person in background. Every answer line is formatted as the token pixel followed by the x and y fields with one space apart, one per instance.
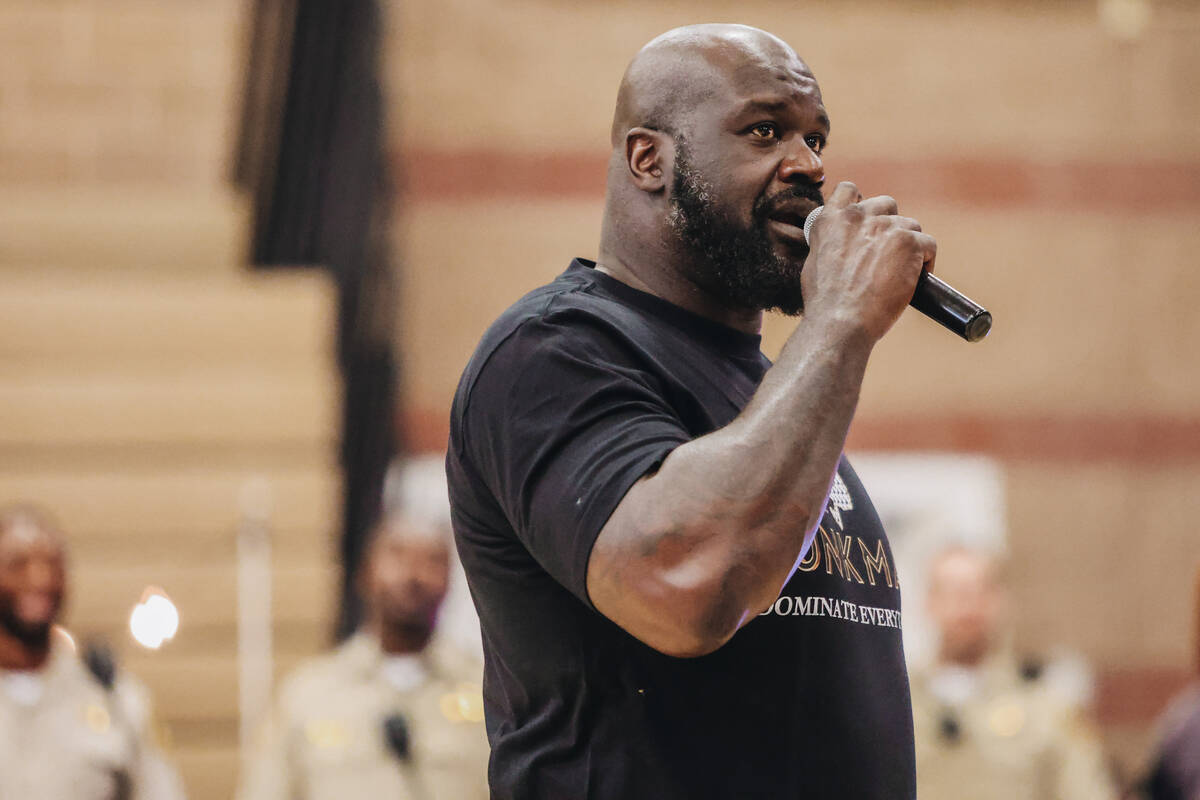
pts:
pixel 1175 769
pixel 416 487
pixel 386 714
pixel 69 730
pixel 988 726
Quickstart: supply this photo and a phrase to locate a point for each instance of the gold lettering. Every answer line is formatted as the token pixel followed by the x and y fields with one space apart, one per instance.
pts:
pixel 837 554
pixel 877 563
pixel 812 559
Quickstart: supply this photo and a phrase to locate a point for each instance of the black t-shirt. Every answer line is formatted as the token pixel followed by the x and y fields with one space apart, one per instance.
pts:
pixel 579 389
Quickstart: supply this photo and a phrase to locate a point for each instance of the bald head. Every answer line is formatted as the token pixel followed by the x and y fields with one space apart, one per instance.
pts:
pixel 717 140
pixel 680 69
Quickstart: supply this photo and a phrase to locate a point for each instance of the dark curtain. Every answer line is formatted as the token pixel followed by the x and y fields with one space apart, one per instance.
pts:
pixel 312 154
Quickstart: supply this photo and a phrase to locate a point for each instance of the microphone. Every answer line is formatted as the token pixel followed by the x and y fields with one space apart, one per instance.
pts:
pixel 938 300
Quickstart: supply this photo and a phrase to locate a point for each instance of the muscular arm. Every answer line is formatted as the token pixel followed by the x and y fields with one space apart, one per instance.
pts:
pixel 704 544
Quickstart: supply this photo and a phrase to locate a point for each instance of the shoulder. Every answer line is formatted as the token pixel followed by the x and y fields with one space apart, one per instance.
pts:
pixel 117 690
pixel 570 313
pixel 319 675
pixel 451 664
pixel 67 671
pixel 562 338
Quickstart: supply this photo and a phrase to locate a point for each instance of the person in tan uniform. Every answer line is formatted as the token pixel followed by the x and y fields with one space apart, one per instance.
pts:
pixel 386 714
pixel 68 731
pixel 987 727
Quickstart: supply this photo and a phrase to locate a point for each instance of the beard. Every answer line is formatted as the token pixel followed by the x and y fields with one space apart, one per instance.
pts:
pixel 736 262
pixel 32 635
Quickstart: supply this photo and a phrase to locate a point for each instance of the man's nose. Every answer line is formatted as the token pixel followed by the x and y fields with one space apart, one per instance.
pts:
pixel 801 162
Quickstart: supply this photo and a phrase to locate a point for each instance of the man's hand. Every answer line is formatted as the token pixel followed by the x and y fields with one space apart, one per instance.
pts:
pixel 864 262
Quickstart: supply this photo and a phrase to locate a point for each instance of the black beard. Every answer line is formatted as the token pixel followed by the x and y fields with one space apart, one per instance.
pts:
pixel 35 636
pixel 734 262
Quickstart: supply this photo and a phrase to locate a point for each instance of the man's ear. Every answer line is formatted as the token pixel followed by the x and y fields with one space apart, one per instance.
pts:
pixel 649 155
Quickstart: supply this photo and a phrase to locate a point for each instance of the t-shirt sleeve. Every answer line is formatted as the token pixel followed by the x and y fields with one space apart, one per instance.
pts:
pixel 561 420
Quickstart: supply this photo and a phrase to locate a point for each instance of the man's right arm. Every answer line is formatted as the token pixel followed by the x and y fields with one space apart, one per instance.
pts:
pixel 704 544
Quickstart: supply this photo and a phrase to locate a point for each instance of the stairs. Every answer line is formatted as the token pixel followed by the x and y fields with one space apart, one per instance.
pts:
pixel 145 378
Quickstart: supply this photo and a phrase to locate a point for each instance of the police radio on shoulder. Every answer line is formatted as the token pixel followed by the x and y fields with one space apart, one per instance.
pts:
pixel 938 300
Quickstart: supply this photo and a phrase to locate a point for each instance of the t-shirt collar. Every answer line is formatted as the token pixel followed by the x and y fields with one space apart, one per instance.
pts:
pixel 731 341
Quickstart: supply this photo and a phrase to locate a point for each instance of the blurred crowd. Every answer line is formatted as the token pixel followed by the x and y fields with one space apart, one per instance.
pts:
pixel 395 711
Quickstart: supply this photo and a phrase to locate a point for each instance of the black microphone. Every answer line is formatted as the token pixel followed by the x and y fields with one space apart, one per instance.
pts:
pixel 938 300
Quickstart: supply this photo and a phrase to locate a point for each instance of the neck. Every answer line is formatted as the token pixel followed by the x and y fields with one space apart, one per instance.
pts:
pixel 670 284
pixel 650 260
pixel 17 655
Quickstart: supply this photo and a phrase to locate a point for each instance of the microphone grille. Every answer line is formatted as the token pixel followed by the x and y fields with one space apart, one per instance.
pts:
pixel 810 219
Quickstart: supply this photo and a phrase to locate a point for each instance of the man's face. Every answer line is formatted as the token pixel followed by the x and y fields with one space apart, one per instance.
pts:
pixel 406 580
pixel 967 603
pixel 747 172
pixel 32 583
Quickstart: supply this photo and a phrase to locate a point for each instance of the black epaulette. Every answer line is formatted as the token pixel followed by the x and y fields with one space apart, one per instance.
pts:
pixel 1031 669
pixel 99 659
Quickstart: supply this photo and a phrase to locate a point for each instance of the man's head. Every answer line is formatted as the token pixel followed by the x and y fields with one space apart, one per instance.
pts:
pixel 717 141
pixel 404 578
pixel 32 576
pixel 967 602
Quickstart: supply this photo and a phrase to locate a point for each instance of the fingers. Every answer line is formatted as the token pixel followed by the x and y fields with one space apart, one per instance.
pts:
pixel 883 205
pixel 881 213
pixel 845 194
pixel 928 247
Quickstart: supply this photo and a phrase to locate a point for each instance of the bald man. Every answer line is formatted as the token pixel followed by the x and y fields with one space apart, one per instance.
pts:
pixel 67 732
pixel 683 587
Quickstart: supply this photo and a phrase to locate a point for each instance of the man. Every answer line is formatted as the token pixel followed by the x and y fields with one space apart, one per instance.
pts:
pixel 670 606
pixel 982 720
pixel 67 732
pixel 382 716
pixel 1175 767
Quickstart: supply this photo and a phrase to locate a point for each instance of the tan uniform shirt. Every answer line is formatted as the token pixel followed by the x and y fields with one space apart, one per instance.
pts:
pixel 326 737
pixel 990 734
pixel 63 736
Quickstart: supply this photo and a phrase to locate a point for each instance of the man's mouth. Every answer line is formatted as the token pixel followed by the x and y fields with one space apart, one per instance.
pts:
pixel 36 608
pixel 788 220
pixel 788 228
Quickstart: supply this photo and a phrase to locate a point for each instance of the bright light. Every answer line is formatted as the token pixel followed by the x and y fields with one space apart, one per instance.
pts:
pixel 65 635
pixel 154 620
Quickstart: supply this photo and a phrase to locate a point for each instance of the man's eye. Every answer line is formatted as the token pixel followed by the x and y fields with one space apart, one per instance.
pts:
pixel 765 130
pixel 816 142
